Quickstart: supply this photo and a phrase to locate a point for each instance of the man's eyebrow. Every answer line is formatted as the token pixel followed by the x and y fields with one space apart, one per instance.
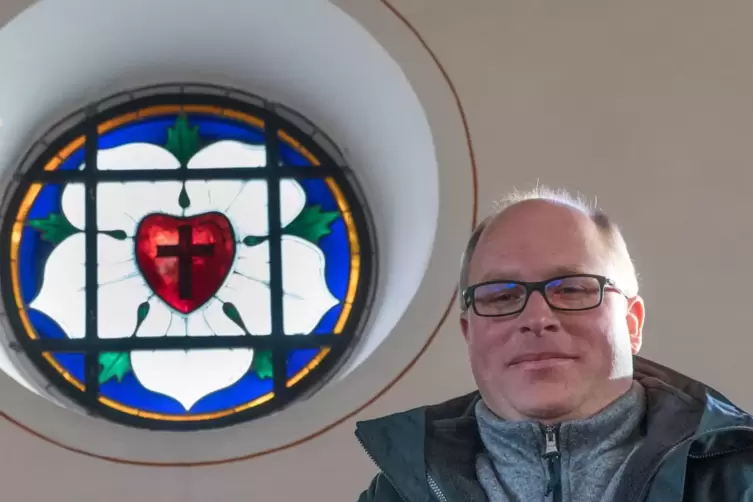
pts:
pixel 515 275
pixel 568 269
pixel 499 275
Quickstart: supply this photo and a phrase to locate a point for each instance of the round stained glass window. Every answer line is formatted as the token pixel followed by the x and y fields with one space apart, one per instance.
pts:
pixel 187 260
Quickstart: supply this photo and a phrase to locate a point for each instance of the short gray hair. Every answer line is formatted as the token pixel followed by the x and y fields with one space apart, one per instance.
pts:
pixel 609 230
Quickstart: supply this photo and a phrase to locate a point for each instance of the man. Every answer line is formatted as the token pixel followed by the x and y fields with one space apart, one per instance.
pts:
pixel 565 410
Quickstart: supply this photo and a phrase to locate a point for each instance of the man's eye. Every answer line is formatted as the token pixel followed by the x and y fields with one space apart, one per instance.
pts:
pixel 506 297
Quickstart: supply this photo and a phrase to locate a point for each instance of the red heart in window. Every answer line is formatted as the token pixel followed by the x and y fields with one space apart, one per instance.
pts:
pixel 185 260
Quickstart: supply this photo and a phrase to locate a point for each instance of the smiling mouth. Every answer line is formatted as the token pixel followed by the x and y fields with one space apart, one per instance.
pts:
pixel 543 361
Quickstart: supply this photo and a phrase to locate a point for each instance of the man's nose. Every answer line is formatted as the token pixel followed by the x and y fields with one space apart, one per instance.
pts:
pixel 538 318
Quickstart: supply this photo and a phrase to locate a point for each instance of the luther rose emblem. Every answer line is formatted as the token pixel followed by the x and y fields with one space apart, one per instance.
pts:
pixel 186 291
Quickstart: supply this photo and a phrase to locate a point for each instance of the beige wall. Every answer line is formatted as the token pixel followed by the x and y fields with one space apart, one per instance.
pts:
pixel 647 104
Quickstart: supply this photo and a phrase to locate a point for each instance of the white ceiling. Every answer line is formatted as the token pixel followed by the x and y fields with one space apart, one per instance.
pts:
pixel 647 105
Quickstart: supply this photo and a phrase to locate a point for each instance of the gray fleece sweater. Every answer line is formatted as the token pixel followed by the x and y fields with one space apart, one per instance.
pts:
pixel 579 461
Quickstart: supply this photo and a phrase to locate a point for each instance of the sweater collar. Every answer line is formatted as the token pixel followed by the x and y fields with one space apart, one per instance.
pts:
pixel 614 424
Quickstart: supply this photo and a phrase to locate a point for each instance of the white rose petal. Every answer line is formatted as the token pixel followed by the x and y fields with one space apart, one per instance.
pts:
pixel 306 295
pixel 188 376
pixel 136 156
pixel 228 154
pixel 62 296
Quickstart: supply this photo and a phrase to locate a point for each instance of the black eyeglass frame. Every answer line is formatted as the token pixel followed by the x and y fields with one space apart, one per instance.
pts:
pixel 540 286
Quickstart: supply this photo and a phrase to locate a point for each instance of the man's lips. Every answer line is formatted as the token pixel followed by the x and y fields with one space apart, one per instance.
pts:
pixel 540 358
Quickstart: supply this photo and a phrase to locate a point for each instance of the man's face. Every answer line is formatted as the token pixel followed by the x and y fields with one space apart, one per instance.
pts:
pixel 536 241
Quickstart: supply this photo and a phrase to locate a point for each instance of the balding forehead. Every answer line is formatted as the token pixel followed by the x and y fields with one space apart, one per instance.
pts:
pixel 537 226
pixel 536 213
pixel 606 236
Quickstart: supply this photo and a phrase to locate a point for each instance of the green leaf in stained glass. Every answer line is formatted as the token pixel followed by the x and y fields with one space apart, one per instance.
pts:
pixel 231 311
pixel 55 228
pixel 262 364
pixel 116 234
pixel 184 201
pixel 141 312
pixel 113 365
pixel 312 224
pixel 252 240
pixel 183 140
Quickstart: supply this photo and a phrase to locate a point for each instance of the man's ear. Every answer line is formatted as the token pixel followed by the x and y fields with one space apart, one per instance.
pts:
pixel 635 318
pixel 464 324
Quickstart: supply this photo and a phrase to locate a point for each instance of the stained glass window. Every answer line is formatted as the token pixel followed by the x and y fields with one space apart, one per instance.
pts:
pixel 186 260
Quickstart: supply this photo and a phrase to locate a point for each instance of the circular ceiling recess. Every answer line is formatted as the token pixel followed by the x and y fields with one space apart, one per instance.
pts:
pixel 183 257
pixel 232 240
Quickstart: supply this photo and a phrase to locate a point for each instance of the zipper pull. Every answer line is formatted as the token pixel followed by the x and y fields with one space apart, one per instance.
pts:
pixel 552 455
pixel 552 441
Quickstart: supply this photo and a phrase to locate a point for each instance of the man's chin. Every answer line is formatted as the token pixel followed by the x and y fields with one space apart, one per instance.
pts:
pixel 551 414
pixel 546 404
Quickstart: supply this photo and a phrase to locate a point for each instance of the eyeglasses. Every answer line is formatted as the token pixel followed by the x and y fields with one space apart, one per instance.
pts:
pixel 567 292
